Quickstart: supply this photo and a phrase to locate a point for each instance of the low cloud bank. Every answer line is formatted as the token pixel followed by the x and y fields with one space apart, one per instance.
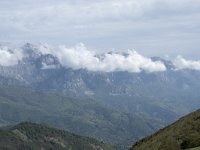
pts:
pixel 79 57
pixel 181 63
pixel 9 57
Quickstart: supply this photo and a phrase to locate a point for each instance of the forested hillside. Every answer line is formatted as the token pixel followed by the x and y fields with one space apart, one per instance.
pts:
pixel 30 136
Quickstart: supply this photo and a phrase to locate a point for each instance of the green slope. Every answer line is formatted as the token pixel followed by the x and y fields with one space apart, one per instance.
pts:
pixel 183 134
pixel 30 136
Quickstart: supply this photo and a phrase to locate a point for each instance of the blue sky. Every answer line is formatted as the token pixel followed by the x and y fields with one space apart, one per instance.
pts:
pixel 151 27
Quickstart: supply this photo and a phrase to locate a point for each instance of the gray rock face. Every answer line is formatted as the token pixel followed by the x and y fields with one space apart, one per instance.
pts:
pixel 44 71
pixel 155 94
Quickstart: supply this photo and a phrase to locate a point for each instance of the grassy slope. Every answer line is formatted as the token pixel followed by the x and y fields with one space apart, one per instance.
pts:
pixel 30 136
pixel 183 134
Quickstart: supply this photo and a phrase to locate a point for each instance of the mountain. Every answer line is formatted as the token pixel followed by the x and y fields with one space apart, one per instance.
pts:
pixel 119 106
pixel 125 91
pixel 81 116
pixel 161 90
pixel 183 134
pixel 31 136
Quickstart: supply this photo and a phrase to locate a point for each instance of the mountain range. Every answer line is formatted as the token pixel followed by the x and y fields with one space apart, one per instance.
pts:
pixel 120 107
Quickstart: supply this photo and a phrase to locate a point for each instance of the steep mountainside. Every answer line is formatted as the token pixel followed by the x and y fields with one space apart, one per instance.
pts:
pixel 81 116
pixel 30 136
pixel 183 134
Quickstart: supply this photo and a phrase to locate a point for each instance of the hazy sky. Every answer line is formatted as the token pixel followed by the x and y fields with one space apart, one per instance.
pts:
pixel 151 27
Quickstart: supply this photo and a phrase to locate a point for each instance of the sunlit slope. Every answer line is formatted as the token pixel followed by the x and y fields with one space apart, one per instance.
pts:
pixel 183 134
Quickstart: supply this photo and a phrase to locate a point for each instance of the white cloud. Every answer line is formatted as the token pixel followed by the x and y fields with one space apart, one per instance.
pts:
pixel 182 63
pixel 36 16
pixel 8 57
pixel 148 25
pixel 79 57
pixel 47 66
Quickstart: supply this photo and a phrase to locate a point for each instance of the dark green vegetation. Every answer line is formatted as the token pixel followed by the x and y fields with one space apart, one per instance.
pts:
pixel 81 116
pixel 183 134
pixel 30 136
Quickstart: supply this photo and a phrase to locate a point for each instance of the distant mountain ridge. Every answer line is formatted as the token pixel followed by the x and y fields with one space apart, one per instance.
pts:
pixel 155 99
pixel 183 134
pixel 44 72
pixel 31 136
